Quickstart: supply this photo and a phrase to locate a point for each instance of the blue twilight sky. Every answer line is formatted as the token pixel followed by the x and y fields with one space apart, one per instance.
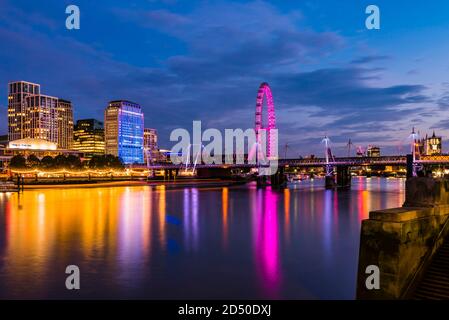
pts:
pixel 203 60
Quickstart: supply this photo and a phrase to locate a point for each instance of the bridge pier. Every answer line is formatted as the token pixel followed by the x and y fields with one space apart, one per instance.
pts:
pixel 329 182
pixel 261 181
pixel 343 177
pixel 279 179
pixel 170 174
pixel 340 179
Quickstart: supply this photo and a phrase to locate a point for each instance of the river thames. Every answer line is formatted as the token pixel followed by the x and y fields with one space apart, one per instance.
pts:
pixel 189 243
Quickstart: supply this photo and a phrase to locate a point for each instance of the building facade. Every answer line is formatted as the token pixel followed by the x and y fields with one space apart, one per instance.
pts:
pixel 88 137
pixel 433 145
pixel 65 124
pixel 32 114
pixel 18 91
pixel 373 151
pixel 41 120
pixel 150 146
pixel 38 147
pixel 123 122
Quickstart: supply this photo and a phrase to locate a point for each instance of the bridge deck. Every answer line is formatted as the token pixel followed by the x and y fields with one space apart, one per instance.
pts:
pixel 317 162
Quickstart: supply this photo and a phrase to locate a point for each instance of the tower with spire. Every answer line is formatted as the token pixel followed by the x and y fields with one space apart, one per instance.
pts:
pixel 434 145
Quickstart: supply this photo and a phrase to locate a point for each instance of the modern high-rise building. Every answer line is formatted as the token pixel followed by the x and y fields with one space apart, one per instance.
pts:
pixel 433 145
pixel 65 124
pixel 123 122
pixel 88 137
pixel 150 144
pixel 32 114
pixel 18 91
pixel 41 119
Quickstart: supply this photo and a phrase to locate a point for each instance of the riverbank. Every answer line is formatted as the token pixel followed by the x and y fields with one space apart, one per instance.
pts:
pixel 198 183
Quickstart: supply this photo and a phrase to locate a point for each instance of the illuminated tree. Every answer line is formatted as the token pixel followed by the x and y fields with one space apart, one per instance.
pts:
pixel 48 162
pixel 17 162
pixel 33 162
pixel 73 162
pixel 60 161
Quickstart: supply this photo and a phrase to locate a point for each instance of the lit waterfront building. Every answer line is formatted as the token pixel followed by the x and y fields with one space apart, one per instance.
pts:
pixel 37 147
pixel 123 122
pixel 32 114
pixel 373 151
pixel 65 124
pixel 41 119
pixel 89 137
pixel 150 144
pixel 420 146
pixel 18 91
pixel 433 145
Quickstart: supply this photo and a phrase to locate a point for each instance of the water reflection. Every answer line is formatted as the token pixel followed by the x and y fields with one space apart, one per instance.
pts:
pixel 224 205
pixel 190 218
pixel 287 215
pixel 300 242
pixel 267 241
pixel 162 213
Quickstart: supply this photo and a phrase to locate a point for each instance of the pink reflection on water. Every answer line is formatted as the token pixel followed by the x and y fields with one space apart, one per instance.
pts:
pixel 267 242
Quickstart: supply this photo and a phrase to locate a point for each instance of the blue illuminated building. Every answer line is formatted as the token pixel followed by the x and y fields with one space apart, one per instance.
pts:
pixel 124 126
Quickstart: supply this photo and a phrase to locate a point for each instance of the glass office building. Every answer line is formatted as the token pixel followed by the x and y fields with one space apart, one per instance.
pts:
pixel 123 121
pixel 65 124
pixel 89 137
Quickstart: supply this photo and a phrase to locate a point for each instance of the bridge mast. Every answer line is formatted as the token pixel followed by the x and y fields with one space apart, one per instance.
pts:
pixel 350 144
pixel 327 153
pixel 414 137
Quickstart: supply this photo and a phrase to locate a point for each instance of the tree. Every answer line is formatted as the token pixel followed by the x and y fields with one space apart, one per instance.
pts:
pixel 48 162
pixel 96 162
pixel 60 161
pixel 33 162
pixel 108 161
pixel 113 162
pixel 73 162
pixel 17 162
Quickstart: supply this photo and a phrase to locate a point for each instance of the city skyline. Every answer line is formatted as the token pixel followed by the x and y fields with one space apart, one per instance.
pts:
pixel 65 127
pixel 328 76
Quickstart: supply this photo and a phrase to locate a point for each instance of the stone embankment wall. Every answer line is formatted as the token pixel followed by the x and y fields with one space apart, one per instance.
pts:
pixel 398 240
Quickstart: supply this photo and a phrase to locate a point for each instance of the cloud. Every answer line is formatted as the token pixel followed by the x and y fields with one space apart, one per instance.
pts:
pixel 442 124
pixel 369 59
pixel 228 49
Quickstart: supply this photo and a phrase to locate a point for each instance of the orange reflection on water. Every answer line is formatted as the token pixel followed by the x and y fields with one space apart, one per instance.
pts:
pixel 224 200
pixel 162 214
pixel 91 224
pixel 287 214
pixel 364 201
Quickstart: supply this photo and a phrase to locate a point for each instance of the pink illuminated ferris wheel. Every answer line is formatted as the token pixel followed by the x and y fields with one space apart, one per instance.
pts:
pixel 265 91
